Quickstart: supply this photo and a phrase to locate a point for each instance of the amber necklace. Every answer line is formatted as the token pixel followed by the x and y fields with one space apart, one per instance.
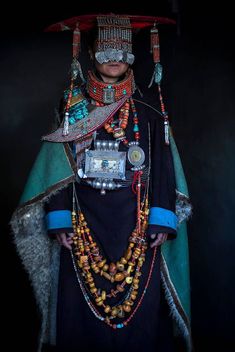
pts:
pixel 88 261
pixel 126 273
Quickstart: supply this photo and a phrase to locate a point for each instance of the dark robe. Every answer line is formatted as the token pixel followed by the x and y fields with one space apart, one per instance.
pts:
pixel 111 219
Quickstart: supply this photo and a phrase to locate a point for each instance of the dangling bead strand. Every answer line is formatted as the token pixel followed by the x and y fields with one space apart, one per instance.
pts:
pixel 165 116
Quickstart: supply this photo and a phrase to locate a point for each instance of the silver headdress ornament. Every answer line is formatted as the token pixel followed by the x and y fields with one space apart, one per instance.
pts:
pixel 114 39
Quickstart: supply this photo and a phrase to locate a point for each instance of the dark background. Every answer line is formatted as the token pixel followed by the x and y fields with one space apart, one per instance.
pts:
pixel 198 87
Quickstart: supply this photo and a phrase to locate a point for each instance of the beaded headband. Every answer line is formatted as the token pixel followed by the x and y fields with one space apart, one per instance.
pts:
pixel 114 41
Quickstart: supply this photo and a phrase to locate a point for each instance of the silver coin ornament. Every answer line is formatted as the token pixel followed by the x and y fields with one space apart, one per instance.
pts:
pixel 136 155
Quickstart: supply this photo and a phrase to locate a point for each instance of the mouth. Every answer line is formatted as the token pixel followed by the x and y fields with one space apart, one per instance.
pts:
pixel 114 64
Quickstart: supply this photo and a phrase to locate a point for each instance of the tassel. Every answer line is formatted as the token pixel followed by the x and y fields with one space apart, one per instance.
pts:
pixel 76 69
pixel 66 124
pixel 157 75
pixel 155 50
pixel 166 130
pixel 66 117
pixel 76 66
pixel 155 47
pixel 165 115
pixel 76 41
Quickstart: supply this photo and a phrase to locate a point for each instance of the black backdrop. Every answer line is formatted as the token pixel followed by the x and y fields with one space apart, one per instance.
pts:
pixel 198 89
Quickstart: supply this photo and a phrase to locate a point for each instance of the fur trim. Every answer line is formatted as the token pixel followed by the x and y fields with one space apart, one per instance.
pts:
pixel 183 207
pixel 40 258
pixel 176 310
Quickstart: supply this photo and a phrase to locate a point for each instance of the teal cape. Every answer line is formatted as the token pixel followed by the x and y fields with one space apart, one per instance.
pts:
pixel 40 255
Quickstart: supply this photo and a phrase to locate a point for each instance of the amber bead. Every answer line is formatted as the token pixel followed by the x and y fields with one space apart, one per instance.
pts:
pixel 119 277
pixel 103 295
pixel 129 269
pixel 129 279
pixel 100 303
pixel 120 288
pixel 86 267
pixel 107 309
pixel 90 279
pixel 101 264
pixel 128 254
pixel 129 302
pixel 133 296
pixel 120 266
pixel 97 259
pixel 112 269
pixel 105 267
pixel 106 275
pixel 126 308
pixel 114 312
pixel 93 290
pixel 98 299
pixel 92 245
pixel 123 260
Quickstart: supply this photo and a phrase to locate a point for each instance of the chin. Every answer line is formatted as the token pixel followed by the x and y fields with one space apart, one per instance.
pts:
pixel 115 71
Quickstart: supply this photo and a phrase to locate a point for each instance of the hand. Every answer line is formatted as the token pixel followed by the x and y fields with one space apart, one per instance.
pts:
pixel 161 238
pixel 65 239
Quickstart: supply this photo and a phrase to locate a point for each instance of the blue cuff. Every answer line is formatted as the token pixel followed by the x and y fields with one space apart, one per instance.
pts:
pixel 59 219
pixel 162 217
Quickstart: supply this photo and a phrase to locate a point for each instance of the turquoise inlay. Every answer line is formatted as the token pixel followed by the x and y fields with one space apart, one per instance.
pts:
pixel 119 326
pixel 162 217
pixel 109 86
pixel 124 91
pixel 79 110
pixel 136 128
pixel 58 219
pixel 71 121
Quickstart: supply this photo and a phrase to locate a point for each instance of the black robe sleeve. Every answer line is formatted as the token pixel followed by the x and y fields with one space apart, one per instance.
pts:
pixel 58 211
pixel 162 218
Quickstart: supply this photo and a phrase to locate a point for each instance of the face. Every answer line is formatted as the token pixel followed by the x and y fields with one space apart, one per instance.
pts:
pixel 111 71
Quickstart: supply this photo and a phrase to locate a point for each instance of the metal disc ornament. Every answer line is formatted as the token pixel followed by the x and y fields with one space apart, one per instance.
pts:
pixel 136 155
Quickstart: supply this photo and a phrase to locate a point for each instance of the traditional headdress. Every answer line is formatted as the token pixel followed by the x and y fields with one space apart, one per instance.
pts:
pixel 114 43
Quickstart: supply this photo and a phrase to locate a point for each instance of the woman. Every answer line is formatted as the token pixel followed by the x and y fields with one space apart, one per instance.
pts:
pixel 109 192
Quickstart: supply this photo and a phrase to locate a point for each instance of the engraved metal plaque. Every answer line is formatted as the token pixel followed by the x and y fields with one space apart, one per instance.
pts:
pixel 105 164
pixel 108 95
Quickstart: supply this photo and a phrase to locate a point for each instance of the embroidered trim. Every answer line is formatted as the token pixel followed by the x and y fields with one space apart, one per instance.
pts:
pixel 59 219
pixel 163 217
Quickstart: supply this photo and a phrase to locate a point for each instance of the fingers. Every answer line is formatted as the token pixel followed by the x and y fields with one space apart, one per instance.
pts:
pixel 161 238
pixel 65 240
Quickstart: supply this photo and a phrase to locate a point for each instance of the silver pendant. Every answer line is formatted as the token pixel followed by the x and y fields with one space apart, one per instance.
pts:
pixel 136 156
pixel 105 165
pixel 108 95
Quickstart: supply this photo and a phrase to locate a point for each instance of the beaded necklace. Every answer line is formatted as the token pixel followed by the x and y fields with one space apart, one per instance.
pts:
pixel 107 93
pixel 88 261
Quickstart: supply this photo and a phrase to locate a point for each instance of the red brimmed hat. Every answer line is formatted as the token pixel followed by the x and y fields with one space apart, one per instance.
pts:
pixel 108 25
pixel 87 22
